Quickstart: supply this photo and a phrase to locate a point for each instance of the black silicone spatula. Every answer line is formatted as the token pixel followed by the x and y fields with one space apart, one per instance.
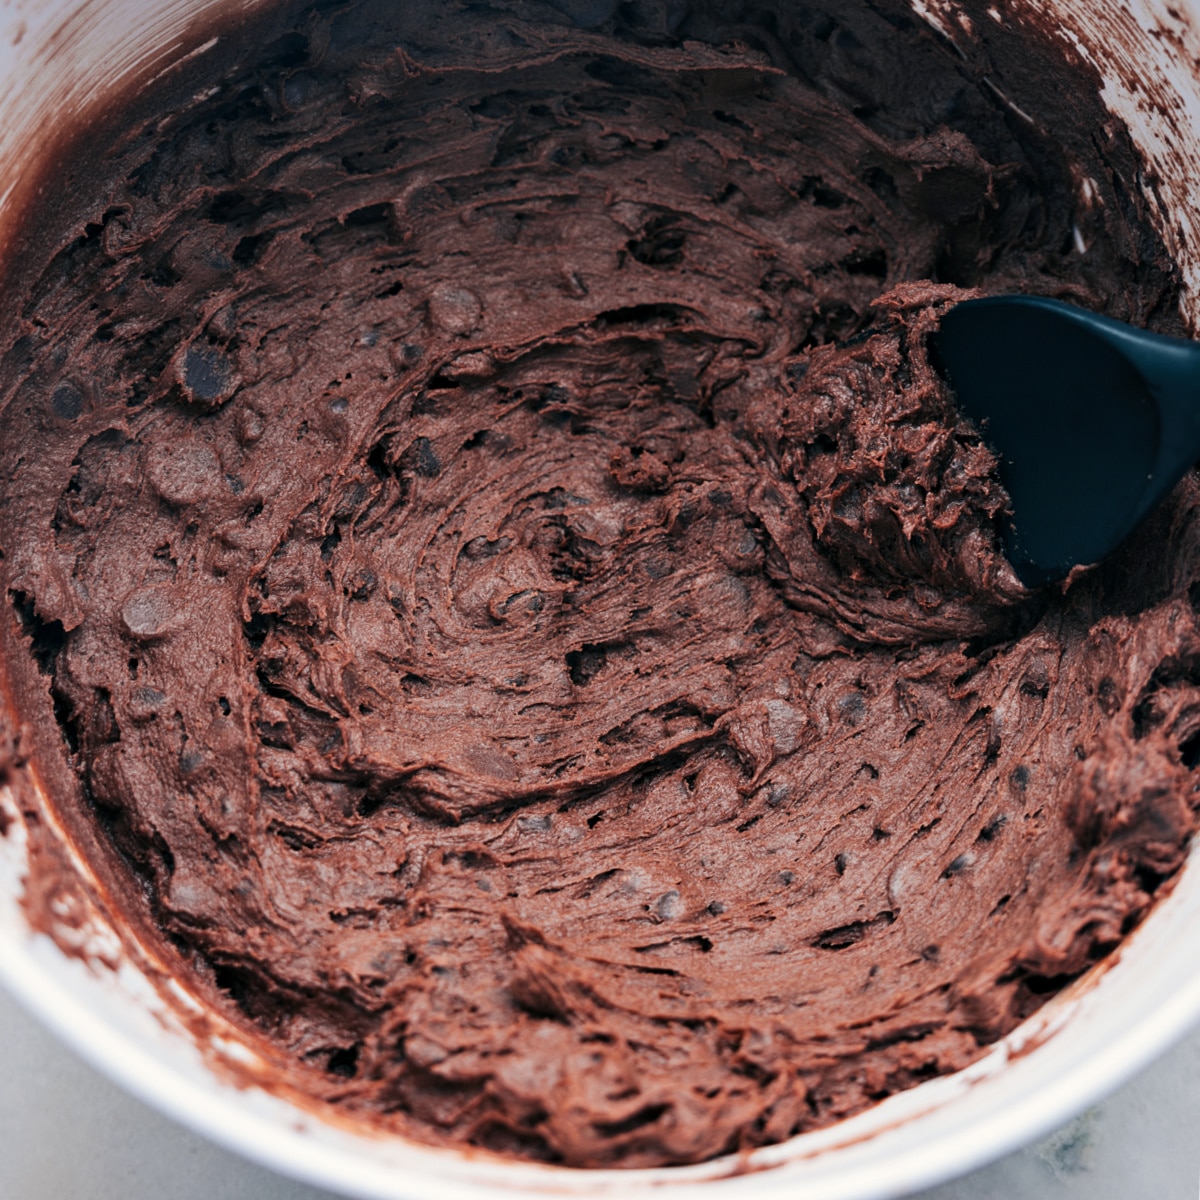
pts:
pixel 1093 421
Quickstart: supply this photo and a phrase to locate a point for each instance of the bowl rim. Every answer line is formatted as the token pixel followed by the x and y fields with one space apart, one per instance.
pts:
pixel 874 1155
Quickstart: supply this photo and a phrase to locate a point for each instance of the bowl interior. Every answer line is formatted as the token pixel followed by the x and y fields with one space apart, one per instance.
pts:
pixel 113 1001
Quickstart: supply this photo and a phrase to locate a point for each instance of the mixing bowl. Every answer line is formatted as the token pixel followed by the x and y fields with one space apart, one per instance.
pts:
pixel 112 997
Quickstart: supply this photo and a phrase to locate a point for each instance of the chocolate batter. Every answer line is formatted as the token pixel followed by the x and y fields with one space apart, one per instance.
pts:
pixel 485 536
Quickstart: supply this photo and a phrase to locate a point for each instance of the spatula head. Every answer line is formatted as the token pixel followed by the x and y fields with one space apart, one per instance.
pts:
pixel 1073 423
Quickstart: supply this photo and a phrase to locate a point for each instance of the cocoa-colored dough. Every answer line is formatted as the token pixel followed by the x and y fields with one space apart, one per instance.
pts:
pixel 485 535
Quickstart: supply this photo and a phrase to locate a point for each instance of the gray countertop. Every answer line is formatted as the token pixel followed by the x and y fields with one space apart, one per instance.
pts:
pixel 68 1134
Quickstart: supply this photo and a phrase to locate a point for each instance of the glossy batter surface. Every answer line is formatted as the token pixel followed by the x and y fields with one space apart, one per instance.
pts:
pixel 516 594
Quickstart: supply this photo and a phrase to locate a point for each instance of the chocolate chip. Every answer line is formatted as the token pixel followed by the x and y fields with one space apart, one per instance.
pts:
pixel 183 472
pixel 852 707
pixel 67 401
pixel 989 832
pixel 145 704
pixel 406 355
pixel 207 375
pixel 958 865
pixel 190 761
pixel 148 614
pixel 249 427
pixel 420 457
pixel 455 309
pixel 777 794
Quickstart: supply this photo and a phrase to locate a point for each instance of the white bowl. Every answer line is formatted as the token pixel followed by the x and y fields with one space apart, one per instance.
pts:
pixel 117 1006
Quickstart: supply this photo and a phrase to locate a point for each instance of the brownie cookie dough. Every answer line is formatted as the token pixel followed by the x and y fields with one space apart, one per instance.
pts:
pixel 487 549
